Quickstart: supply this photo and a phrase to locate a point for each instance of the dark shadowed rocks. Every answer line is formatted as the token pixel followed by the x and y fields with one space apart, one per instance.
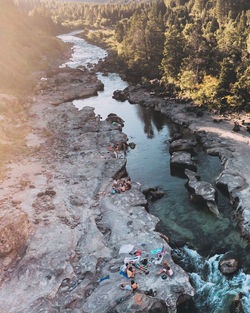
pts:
pixel 236 127
pixel 132 145
pixel 237 305
pixel 153 193
pixel 113 118
pixel 120 95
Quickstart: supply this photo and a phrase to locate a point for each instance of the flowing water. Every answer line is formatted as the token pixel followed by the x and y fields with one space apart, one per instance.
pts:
pixel 207 236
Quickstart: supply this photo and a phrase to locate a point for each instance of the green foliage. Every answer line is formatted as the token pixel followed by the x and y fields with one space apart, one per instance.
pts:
pixel 174 53
pixel 206 53
pixel 198 47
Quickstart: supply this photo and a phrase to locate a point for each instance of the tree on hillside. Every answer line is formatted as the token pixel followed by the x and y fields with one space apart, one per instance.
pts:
pixel 174 53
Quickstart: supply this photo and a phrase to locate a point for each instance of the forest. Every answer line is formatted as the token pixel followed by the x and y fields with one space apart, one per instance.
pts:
pixel 197 49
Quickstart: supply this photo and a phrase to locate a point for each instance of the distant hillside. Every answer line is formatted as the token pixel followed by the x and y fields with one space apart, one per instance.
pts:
pixel 25 47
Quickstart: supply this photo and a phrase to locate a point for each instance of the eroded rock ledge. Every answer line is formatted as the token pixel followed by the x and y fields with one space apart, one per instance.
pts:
pixel 216 134
pixel 73 226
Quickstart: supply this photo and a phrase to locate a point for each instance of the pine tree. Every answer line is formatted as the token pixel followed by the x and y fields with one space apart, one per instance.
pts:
pixel 174 53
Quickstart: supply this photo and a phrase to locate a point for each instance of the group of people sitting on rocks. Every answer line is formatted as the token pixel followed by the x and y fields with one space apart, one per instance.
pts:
pixel 121 185
pixel 135 265
pixel 116 149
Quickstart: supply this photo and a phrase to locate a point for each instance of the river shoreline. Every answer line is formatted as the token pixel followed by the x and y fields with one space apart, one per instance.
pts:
pixel 215 133
pixel 64 227
pixel 213 130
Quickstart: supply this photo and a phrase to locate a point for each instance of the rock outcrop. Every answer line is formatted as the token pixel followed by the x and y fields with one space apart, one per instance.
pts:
pixel 120 95
pixel 180 161
pixel 76 225
pixel 182 145
pixel 153 193
pixel 201 192
pixel 66 84
pixel 113 118
pixel 228 266
pixel 229 182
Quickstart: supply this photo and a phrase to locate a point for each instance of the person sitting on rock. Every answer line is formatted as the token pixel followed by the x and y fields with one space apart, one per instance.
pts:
pixel 131 272
pixel 128 184
pixel 134 286
pixel 166 269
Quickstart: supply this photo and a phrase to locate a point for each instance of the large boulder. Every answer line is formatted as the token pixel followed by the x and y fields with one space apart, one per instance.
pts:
pixel 201 192
pixel 182 145
pixel 175 137
pixel 153 193
pixel 113 118
pixel 180 161
pixel 236 305
pixel 236 127
pixel 120 95
pixel 230 181
pixel 228 266
pixel 14 229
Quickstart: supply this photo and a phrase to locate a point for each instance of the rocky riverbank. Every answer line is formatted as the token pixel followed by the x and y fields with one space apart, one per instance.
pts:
pixel 61 227
pixel 226 136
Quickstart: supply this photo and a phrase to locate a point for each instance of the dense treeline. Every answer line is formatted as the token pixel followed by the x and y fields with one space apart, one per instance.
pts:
pixel 82 13
pixel 199 49
pixel 206 52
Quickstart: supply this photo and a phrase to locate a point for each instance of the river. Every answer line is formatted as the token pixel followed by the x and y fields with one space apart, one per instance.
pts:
pixel 207 237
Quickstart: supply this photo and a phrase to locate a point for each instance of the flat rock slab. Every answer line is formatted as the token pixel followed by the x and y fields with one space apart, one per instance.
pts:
pixel 68 84
pixel 182 145
pixel 202 192
pixel 180 161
